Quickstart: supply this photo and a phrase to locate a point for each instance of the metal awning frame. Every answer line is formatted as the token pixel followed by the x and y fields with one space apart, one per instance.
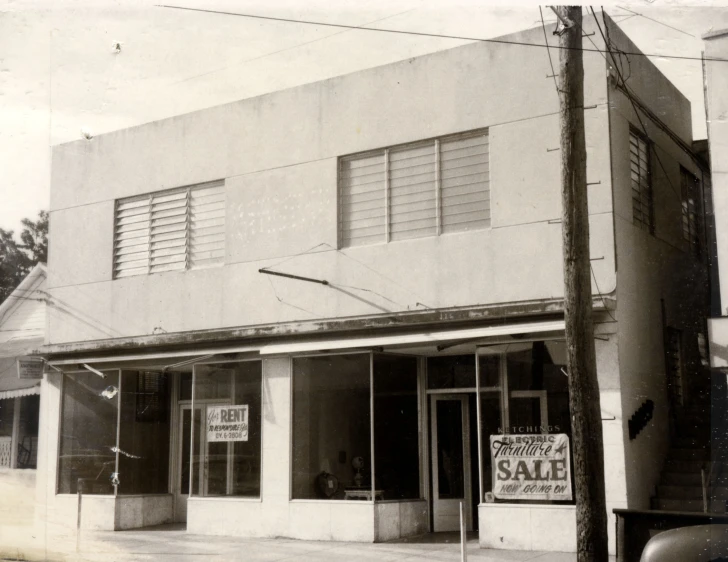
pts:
pixel 199 354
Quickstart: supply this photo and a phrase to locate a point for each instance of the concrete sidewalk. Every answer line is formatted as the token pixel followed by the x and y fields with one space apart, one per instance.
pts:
pixel 171 543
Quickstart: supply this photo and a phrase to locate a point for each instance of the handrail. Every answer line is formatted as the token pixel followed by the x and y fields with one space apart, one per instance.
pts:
pixel 706 486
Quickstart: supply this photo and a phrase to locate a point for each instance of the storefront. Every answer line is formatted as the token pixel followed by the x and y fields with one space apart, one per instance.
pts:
pixel 364 439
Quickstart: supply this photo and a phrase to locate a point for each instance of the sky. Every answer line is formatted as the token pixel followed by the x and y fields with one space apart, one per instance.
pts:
pixel 61 76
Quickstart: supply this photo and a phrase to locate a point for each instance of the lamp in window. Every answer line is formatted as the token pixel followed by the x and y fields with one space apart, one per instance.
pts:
pixel 357 463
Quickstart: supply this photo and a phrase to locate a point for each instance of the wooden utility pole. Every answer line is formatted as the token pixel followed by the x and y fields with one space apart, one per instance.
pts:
pixel 586 424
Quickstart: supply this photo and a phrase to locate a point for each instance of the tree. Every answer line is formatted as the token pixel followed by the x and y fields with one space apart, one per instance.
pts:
pixel 14 264
pixel 17 259
pixel 35 237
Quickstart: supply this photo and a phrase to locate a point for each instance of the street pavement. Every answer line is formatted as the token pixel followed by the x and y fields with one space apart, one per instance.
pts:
pixel 171 543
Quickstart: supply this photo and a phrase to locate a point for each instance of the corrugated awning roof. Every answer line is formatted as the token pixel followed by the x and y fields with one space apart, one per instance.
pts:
pixel 20 392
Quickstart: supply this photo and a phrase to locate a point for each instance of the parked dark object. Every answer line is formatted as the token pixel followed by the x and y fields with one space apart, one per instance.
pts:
pixel 700 543
pixel 636 527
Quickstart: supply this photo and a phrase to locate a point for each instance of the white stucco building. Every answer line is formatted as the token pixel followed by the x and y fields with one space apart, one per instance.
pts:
pixel 362 278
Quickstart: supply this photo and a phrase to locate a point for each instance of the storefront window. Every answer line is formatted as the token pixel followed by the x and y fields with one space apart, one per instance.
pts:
pixel 396 428
pixel 451 372
pixel 332 427
pixel 529 407
pixel 227 418
pixel 538 390
pixel 27 446
pixel 144 433
pixel 89 412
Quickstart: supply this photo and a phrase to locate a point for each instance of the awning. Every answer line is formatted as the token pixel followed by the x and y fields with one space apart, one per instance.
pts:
pixel 416 338
pixel 19 392
pixel 153 356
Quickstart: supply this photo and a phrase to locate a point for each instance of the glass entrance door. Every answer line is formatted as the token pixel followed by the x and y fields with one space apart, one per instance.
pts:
pixel 188 453
pixel 451 466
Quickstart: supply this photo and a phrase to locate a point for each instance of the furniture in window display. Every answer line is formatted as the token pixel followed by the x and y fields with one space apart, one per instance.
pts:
pixel 362 493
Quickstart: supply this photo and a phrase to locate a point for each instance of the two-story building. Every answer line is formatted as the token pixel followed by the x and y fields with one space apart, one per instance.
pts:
pixel 319 312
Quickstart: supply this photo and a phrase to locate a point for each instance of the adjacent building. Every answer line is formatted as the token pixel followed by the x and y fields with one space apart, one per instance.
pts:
pixel 22 331
pixel 716 79
pixel 334 311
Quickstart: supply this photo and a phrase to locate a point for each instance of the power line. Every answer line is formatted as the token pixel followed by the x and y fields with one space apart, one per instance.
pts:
pixel 435 35
pixel 656 21
pixel 627 91
pixel 246 61
pixel 548 51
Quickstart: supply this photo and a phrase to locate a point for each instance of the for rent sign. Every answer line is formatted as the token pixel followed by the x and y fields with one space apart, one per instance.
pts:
pixel 531 467
pixel 227 423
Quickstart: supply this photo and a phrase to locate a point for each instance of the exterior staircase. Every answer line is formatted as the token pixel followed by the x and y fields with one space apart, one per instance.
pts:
pixel 692 464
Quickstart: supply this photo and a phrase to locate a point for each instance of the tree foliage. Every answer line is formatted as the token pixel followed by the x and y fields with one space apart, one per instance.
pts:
pixel 34 237
pixel 18 258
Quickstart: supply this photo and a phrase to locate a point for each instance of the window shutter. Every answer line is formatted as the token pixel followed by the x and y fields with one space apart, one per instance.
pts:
pixel 169 225
pixel 207 225
pixel 465 183
pixel 131 237
pixel 641 186
pixel 362 199
pixel 413 191
pixel 690 191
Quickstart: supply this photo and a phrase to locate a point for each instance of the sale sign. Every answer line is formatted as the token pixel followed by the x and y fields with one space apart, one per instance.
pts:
pixel 227 423
pixel 531 467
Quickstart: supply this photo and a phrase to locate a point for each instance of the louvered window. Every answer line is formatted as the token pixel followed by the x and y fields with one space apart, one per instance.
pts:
pixel 690 209
pixel 641 180
pixel 410 191
pixel 170 230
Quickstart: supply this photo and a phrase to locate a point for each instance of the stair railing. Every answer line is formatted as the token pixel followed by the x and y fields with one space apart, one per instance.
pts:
pixel 706 486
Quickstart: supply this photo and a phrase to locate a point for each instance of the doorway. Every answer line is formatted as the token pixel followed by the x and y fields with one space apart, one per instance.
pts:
pixel 205 468
pixel 187 454
pixel 453 454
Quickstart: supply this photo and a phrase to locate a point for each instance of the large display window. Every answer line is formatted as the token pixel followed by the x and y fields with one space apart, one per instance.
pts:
pixel 222 425
pixel 114 432
pixel 355 428
pixel 525 427
pixel 521 433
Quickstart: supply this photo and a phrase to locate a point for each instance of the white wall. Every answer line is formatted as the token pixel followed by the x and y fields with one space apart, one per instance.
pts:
pixel 278 155
pixel 651 268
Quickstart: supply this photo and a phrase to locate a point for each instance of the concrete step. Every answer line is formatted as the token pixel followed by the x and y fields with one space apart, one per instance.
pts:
pixel 691 442
pixel 681 479
pixel 690 493
pixel 677 505
pixel 694 454
pixel 678 465
pixel 696 506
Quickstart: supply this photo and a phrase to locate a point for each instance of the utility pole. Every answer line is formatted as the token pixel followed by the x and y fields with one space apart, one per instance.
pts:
pixel 586 424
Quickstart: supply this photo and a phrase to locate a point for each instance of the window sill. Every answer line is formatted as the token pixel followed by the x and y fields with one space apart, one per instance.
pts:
pixel 224 499
pixel 526 506
pixel 346 502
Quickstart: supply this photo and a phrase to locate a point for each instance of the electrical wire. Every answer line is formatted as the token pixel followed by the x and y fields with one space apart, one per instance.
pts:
pixel 656 21
pixel 423 34
pixel 551 63
pixel 608 43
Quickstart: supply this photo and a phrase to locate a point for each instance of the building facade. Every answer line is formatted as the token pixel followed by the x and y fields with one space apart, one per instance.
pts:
pixel 716 46
pixel 22 331
pixel 320 312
